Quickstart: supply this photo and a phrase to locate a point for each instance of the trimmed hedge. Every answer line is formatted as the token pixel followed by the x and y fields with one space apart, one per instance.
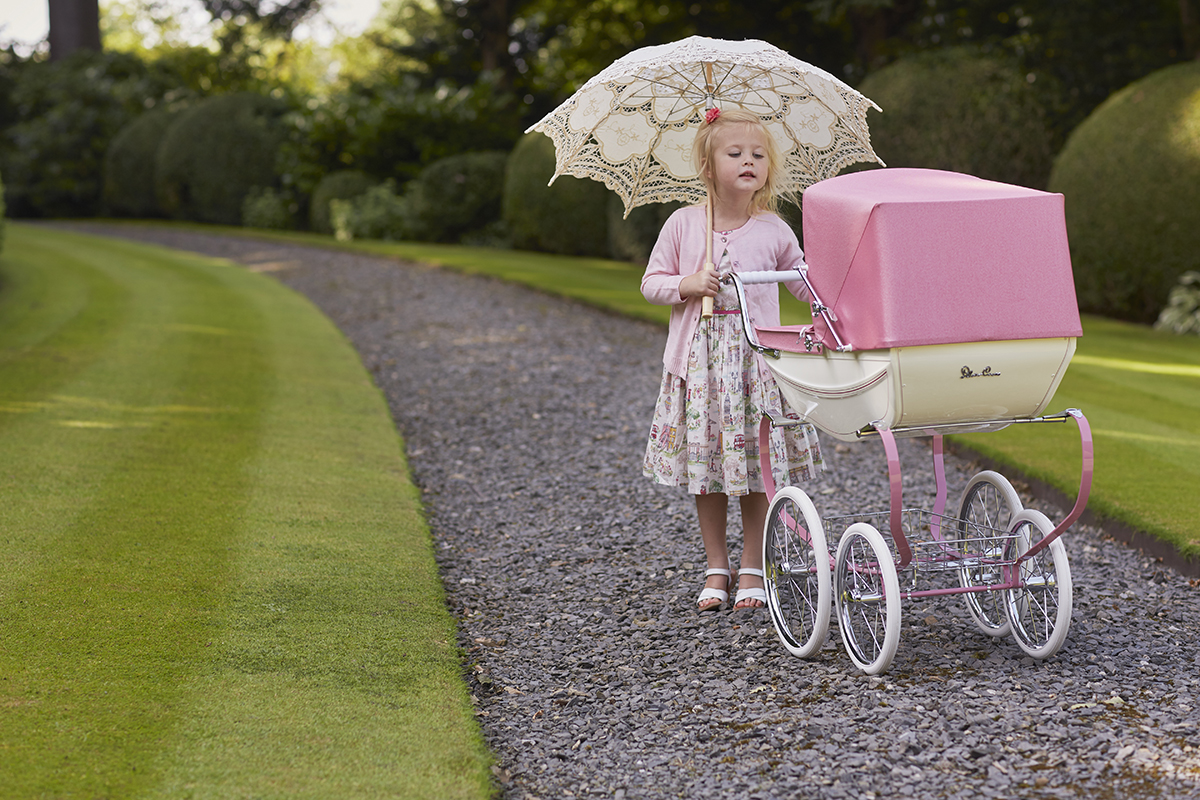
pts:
pixel 377 213
pixel 62 115
pixel 343 184
pixel 214 153
pixel 1131 176
pixel 570 217
pixel 457 195
pixel 266 208
pixel 632 238
pixel 129 166
pixel 960 111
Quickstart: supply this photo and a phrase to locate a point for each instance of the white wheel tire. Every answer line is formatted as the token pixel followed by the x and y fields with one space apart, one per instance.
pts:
pixel 864 569
pixel 799 608
pixel 987 608
pixel 1040 617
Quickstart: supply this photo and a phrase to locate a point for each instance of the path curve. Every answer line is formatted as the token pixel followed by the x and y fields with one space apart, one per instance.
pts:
pixel 573 580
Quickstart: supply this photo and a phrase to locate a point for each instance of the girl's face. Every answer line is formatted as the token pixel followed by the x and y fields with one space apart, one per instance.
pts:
pixel 739 160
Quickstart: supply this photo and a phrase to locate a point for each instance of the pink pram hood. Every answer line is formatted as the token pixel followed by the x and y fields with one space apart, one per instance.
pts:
pixel 908 257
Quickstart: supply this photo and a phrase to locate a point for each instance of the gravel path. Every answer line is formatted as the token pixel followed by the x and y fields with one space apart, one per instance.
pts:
pixel 573 580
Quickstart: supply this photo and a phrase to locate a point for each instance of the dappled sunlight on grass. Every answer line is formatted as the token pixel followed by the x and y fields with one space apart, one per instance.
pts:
pixel 66 403
pixel 1125 365
pixel 1148 438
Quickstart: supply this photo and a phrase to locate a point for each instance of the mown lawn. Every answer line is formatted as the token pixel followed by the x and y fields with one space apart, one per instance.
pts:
pixel 1140 389
pixel 217 580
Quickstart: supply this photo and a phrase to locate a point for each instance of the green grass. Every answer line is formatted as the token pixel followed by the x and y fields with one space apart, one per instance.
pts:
pixel 218 582
pixel 1140 390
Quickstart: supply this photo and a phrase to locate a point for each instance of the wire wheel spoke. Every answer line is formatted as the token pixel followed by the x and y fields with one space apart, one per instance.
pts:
pixel 1039 608
pixel 988 506
pixel 796 564
pixel 868 598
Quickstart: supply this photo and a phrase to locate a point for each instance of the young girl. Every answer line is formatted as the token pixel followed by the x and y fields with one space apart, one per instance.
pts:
pixel 715 387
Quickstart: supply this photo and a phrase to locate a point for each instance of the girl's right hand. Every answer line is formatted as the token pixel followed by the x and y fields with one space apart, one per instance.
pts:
pixel 705 283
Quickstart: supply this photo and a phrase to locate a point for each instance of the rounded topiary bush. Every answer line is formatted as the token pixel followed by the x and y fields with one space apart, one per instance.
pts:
pixel 1131 177
pixel 959 111
pixel 457 195
pixel 377 213
pixel 214 153
pixel 632 237
pixel 129 166
pixel 267 208
pixel 570 217
pixel 343 184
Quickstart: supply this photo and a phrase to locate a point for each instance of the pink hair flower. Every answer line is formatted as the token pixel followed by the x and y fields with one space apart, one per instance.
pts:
pixel 710 116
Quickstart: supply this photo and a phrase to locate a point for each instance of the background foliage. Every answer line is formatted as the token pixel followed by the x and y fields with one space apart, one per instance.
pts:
pixel 214 153
pixel 1131 177
pixel 957 110
pixel 129 166
pixel 434 79
pixel 569 217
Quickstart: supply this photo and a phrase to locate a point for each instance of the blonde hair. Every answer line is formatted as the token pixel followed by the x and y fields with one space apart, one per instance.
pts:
pixel 766 198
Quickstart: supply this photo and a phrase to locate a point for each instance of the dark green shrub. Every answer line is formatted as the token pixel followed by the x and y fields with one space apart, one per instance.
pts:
pixel 1131 177
pixel 457 195
pixel 67 112
pixel 344 184
pixel 570 217
pixel 394 129
pixel 267 208
pixel 632 238
pixel 129 166
pixel 1182 314
pixel 378 213
pixel 214 153
pixel 959 111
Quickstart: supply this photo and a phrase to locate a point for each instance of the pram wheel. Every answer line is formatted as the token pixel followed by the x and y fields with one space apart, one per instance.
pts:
pixel 1039 610
pixel 867 593
pixel 988 505
pixel 796 562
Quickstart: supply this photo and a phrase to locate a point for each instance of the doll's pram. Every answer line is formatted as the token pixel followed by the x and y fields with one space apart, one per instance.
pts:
pixel 942 303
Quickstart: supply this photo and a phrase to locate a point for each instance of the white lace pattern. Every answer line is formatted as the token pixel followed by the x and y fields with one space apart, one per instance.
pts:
pixel 632 125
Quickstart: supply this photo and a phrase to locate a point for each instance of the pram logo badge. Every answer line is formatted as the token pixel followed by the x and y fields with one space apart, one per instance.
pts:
pixel 967 372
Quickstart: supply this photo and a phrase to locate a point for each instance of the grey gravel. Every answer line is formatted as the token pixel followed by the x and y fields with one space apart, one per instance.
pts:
pixel 573 581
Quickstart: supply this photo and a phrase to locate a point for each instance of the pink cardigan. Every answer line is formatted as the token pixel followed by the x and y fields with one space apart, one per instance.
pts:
pixel 765 242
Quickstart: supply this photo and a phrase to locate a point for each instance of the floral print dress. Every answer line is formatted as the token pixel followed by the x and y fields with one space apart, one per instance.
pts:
pixel 705 430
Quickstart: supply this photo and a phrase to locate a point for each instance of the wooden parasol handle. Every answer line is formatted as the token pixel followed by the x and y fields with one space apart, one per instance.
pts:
pixel 706 306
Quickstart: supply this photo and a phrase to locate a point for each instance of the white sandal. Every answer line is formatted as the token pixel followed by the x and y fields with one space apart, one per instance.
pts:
pixel 750 592
pixel 708 593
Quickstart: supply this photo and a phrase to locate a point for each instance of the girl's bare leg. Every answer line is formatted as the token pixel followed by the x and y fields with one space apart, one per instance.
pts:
pixel 712 509
pixel 754 518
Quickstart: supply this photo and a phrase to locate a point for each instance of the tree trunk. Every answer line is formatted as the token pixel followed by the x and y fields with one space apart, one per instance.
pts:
pixel 494 19
pixel 1189 24
pixel 74 25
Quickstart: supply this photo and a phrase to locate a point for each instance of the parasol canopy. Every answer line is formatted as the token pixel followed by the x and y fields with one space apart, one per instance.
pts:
pixel 631 126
